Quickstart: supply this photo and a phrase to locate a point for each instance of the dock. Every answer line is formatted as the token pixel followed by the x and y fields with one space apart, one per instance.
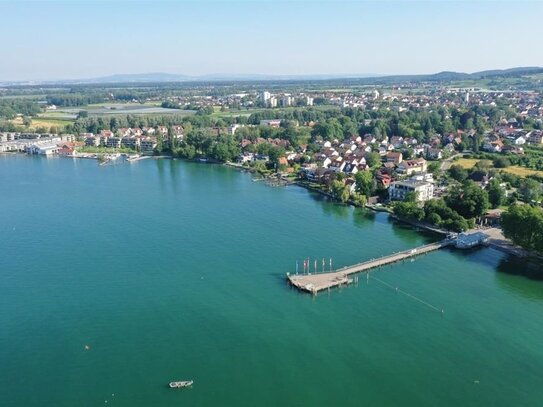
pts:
pixel 313 283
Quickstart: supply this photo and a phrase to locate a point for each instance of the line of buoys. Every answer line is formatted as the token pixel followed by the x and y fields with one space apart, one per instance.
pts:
pixel 398 290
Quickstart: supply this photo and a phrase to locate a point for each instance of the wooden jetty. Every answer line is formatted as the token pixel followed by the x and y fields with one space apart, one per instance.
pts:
pixel 313 283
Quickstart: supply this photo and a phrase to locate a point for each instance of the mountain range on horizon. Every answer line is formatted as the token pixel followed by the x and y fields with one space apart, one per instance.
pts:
pixel 162 77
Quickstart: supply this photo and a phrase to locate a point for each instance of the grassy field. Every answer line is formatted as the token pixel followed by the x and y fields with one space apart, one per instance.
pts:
pixel 43 122
pixel 469 163
pixel 522 171
pixel 466 163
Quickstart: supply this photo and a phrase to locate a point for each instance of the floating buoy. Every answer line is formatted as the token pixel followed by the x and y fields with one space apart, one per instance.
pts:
pixel 87 347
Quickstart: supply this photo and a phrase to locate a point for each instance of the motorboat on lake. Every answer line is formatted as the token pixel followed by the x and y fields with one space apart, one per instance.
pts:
pixel 180 385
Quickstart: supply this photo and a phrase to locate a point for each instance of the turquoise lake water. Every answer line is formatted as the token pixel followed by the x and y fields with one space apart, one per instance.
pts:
pixel 167 270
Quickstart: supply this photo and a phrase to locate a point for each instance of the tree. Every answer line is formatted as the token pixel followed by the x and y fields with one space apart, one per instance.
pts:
pixel 468 200
pixel 359 199
pixel 373 159
pixel 496 194
pixel 27 121
pixel 339 191
pixel 365 183
pixel 82 114
pixel 501 162
pixel 530 190
pixel 458 173
pixel 514 224
pixel 438 213
pixel 408 210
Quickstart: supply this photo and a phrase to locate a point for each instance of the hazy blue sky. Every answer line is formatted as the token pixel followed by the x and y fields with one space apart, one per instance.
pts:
pixel 80 39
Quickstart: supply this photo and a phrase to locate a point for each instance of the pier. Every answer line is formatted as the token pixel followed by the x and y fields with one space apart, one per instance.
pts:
pixel 313 283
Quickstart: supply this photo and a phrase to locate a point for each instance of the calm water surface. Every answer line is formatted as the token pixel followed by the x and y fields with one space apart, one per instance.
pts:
pixel 171 270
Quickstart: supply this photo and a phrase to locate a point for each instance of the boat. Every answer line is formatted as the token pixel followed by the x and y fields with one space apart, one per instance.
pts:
pixel 180 385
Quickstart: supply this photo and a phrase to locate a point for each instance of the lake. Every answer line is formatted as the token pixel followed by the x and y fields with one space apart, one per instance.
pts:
pixel 116 280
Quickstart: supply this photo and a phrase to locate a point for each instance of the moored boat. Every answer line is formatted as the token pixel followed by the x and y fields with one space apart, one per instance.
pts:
pixel 180 385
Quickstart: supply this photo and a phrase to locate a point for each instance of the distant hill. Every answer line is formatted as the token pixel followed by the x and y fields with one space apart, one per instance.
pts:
pixel 369 79
pixel 139 77
pixel 167 77
pixel 459 76
pixel 444 76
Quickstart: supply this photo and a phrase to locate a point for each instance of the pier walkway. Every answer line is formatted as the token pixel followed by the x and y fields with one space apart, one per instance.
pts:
pixel 313 283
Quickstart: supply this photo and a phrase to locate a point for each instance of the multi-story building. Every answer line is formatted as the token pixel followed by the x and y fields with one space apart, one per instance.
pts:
pixel 148 144
pixel 130 142
pixel 400 189
pixel 411 166
pixel 114 142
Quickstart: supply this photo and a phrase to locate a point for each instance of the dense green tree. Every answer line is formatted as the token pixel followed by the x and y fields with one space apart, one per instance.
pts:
pixel 523 224
pixel 530 190
pixel 365 183
pixel 408 210
pixel 339 191
pixel 496 194
pixel 501 162
pixel 458 173
pixel 468 199
pixel 373 159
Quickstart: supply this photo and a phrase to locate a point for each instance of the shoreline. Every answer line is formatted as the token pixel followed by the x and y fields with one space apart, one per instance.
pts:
pixel 497 240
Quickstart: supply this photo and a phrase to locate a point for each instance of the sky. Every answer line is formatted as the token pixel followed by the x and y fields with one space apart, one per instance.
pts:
pixel 49 40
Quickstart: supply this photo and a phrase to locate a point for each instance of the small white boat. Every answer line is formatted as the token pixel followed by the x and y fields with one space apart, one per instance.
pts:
pixel 180 385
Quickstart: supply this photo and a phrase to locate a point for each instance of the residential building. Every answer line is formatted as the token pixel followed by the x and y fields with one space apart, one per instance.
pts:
pixel 394 157
pixel 400 189
pixel 147 144
pixel 113 142
pixel 271 123
pixel 411 166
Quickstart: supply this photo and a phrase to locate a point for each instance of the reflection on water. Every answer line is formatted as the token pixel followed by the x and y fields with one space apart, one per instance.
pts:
pixel 527 267
pixel 363 217
pixel 405 231
pixel 511 268
pixel 330 207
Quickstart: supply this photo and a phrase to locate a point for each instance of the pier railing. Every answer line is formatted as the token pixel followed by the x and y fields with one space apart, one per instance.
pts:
pixel 320 281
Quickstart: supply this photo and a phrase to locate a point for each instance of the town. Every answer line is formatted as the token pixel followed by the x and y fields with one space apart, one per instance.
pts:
pixel 417 150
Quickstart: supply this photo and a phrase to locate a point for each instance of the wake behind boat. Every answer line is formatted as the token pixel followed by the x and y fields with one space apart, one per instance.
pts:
pixel 180 385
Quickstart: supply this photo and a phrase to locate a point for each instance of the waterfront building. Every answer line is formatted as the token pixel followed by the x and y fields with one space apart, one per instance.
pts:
pixel 92 141
pixel 147 144
pixel 113 142
pixel 43 149
pixel 468 240
pixel 130 142
pixel 424 190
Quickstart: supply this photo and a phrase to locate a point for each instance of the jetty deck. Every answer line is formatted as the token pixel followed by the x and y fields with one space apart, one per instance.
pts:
pixel 313 283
